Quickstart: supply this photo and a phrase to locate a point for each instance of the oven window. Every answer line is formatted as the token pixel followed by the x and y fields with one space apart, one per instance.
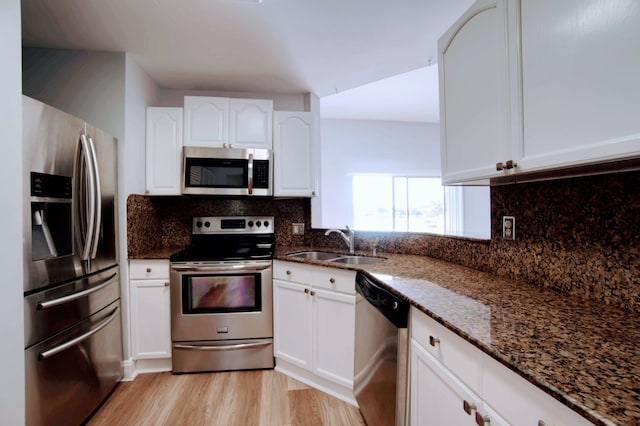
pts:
pixel 221 293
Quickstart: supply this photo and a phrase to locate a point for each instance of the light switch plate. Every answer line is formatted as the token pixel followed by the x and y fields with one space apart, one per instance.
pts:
pixel 297 229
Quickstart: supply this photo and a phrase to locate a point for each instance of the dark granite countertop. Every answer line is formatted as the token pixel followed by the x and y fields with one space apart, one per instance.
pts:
pixel 583 353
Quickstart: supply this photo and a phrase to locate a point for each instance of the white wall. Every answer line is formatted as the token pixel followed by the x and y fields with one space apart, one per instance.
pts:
pixel 12 402
pixel 362 146
pixel 281 102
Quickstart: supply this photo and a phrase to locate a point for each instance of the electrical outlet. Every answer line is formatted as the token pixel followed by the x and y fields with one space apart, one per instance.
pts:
pixel 297 229
pixel 508 227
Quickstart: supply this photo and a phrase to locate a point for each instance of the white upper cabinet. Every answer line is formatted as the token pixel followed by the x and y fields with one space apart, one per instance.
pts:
pixel 581 90
pixel 537 85
pixel 474 93
pixel 206 121
pixel 294 167
pixel 250 123
pixel 163 151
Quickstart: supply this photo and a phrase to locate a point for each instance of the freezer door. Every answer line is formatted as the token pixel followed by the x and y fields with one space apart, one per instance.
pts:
pixel 68 375
pixel 104 247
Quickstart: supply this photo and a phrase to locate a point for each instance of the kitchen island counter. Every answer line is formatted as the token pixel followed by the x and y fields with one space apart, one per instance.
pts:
pixel 583 353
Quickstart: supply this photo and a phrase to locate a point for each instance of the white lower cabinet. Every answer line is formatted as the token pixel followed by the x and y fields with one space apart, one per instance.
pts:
pixel 314 327
pixel 150 315
pixel 455 390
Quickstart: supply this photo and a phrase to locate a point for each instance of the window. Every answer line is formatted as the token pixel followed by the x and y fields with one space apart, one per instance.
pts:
pixel 398 203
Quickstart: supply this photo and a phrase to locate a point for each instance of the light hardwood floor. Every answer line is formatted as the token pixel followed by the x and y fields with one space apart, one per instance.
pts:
pixel 243 398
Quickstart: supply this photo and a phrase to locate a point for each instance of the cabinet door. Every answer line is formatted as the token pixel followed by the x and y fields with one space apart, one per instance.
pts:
pixel 206 121
pixel 292 323
pixel 294 173
pixel 474 93
pixel 150 319
pixel 163 151
pixel 437 397
pixel 580 67
pixel 333 336
pixel 250 123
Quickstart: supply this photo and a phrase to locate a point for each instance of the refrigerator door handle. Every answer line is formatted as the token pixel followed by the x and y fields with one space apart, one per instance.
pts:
pixel 91 214
pixel 97 199
pixel 66 345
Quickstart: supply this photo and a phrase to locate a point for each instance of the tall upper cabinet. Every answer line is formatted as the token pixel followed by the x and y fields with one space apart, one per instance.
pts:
pixel 214 122
pixel 533 85
pixel 474 68
pixel 294 168
pixel 163 151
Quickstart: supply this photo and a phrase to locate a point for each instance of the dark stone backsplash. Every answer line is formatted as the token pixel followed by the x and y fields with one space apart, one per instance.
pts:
pixel 577 235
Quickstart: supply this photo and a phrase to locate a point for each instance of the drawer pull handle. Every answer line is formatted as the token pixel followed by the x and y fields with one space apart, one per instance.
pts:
pixel 468 407
pixel 482 420
pixel 306 290
pixel 433 341
pixel 148 270
pixel 332 280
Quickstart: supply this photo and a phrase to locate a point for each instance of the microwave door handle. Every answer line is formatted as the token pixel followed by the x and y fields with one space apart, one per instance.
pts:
pixel 91 214
pixel 97 198
pixel 250 173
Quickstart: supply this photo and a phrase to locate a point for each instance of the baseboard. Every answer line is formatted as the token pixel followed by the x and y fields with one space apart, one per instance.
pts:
pixel 308 378
pixel 132 368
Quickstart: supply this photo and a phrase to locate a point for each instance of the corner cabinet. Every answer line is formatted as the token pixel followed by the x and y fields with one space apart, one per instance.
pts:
pixel 294 147
pixel 453 382
pixel 163 151
pixel 216 122
pixel 150 314
pixel 314 326
pixel 521 92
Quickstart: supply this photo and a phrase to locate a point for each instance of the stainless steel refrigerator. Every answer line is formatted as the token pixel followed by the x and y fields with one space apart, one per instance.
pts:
pixel 73 343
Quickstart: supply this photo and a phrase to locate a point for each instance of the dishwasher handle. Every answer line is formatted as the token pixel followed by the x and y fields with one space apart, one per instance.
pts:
pixel 391 306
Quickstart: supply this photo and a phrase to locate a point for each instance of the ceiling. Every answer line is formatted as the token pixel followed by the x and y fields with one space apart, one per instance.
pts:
pixel 283 46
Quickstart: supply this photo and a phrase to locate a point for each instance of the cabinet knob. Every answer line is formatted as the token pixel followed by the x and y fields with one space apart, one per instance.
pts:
pixel 332 280
pixel 288 272
pixel 468 407
pixel 482 420
pixel 306 290
pixel 166 283
pixel 542 423
pixel 148 270
pixel 510 165
pixel 499 166
pixel 433 341
pixel 313 293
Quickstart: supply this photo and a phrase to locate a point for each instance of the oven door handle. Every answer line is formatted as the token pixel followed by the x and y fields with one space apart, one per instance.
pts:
pixel 222 268
pixel 223 347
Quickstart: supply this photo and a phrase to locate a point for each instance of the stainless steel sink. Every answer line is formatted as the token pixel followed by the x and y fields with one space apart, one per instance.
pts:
pixel 315 255
pixel 356 260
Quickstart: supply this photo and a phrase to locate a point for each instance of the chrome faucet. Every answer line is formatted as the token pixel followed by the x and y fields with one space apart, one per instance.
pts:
pixel 348 238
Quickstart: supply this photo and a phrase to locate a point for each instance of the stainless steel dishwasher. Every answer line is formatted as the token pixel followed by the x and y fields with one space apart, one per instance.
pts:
pixel 381 354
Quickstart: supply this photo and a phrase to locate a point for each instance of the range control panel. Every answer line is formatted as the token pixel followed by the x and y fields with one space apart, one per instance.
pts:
pixel 233 225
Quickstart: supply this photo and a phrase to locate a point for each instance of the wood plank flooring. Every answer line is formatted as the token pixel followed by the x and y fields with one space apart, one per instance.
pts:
pixel 242 398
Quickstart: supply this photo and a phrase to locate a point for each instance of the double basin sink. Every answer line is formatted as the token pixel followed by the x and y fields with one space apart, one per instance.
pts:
pixel 350 259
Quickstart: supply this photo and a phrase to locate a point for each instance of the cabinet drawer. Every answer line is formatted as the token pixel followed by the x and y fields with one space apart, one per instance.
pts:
pixel 520 402
pixel 459 356
pixel 335 279
pixel 148 269
pixel 292 272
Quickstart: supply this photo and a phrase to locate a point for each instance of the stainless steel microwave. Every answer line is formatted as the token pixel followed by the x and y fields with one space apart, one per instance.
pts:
pixel 227 171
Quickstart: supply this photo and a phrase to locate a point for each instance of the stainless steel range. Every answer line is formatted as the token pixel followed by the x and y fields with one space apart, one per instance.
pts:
pixel 221 296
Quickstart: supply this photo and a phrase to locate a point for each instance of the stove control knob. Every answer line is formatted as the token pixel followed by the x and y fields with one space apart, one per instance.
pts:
pixel 258 224
pixel 250 223
pixel 207 224
pixel 199 224
pixel 266 223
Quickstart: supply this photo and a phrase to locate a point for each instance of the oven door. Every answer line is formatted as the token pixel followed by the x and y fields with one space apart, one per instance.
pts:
pixel 221 301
